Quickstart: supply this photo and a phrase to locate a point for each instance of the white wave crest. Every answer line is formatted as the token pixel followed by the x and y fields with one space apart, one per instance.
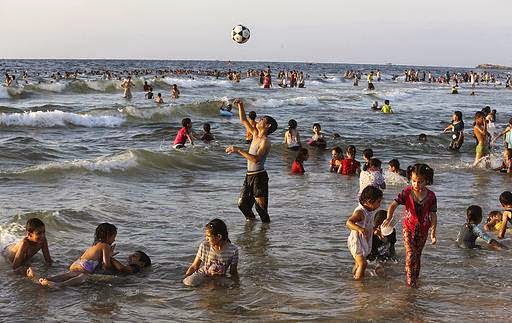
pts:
pixel 52 87
pixel 104 164
pixel 10 233
pixel 55 118
pixel 274 103
pixel 191 83
pixel 393 95
pixel 103 85
pixel 3 93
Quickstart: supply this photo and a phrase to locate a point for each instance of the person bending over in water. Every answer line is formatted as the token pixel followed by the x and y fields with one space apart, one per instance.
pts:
pixel 21 252
pixel 255 188
pixel 100 252
pixel 471 230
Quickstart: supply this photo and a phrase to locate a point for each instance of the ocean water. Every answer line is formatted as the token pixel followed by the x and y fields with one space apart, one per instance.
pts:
pixel 75 153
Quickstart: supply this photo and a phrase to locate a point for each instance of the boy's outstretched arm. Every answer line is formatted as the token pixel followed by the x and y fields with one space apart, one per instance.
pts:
pixel 46 252
pixel 391 210
pixel 118 266
pixel 243 118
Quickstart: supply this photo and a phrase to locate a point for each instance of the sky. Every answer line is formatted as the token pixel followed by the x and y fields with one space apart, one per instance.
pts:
pixel 412 32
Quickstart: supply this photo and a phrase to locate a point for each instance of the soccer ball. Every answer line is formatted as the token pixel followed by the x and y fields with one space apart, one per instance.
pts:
pixel 240 34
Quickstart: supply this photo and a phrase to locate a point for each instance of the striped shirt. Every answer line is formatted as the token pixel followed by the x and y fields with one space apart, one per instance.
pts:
pixel 217 262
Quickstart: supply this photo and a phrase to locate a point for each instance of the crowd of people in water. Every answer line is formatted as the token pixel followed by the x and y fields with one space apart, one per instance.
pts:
pixel 372 233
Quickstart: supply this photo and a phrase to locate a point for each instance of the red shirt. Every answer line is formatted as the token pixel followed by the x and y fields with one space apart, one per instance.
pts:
pixel 297 168
pixel 349 166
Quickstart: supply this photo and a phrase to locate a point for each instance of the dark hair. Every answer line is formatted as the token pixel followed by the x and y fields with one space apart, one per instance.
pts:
pixel 374 162
pixel 351 150
pixel 458 114
pixel 510 121
pixel 424 171
pixel 103 232
pixel 509 152
pixel 486 110
pixel 394 163
pixel 422 137
pixel 144 258
pixel 474 214
pixel 479 114
pixel 217 226
pixel 368 153
pixel 379 217
pixel 506 198
pixel 252 115
pixel 301 155
pixel 206 127
pixel 292 124
pixel 34 224
pixel 185 122
pixel 273 124
pixel 386 101
pixel 337 149
pixel 493 213
pixel 370 194
pixel 316 124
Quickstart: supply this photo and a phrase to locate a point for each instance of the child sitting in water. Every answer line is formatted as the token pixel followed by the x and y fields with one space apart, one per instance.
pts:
pixel 506 166
pixel 215 256
pixel 506 203
pixel 384 239
pixel 19 253
pixel 494 221
pixel 367 155
pixel 471 230
pixel 335 162
pixel 291 136
pixel 373 176
pixel 298 163
pixel 207 135
pixel 360 224
pixel 183 134
pixel 457 129
pixel 317 139
pixel 394 167
pixel 101 252
pixel 350 166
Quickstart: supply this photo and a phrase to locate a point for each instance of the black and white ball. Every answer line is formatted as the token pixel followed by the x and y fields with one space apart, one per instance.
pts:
pixel 240 34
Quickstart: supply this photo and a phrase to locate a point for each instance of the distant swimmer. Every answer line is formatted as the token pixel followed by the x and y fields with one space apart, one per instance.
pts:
pixel 375 106
pixel 175 93
pixel 386 108
pixel 146 87
pixel 370 81
pixel 8 80
pixel 149 94
pixel 159 98
pixel 127 84
pixel 455 90
pixel 267 81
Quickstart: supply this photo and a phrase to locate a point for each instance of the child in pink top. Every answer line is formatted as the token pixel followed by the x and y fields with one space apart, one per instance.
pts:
pixel 419 216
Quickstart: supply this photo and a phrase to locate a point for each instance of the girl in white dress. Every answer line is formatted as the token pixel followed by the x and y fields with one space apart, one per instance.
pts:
pixel 360 224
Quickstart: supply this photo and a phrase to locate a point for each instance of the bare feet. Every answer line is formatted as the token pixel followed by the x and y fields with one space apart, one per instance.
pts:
pixel 46 282
pixel 30 273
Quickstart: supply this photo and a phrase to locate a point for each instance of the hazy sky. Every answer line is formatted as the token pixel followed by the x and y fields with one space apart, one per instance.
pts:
pixel 433 32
